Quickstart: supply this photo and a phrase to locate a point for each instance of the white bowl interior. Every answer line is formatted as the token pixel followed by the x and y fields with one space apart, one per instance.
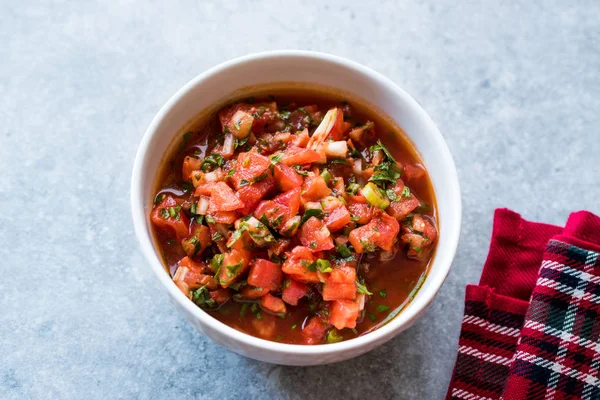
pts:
pixel 219 83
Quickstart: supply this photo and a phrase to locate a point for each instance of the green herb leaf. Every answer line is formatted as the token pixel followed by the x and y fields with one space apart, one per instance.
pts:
pixel 383 293
pixel 311 212
pixel 392 195
pixel 217 236
pixel 382 308
pixel 159 198
pixel 361 288
pixel 276 158
pixel 406 192
pixel 344 251
pixel 232 270
pixel 380 146
pixel 216 262
pixel 211 162
pixel 202 298
pixel 231 172
pixel 244 309
pixel 299 170
pixel 323 266
pixel 352 188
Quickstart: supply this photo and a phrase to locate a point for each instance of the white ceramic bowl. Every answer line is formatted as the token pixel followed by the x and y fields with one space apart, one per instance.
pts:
pixel 214 87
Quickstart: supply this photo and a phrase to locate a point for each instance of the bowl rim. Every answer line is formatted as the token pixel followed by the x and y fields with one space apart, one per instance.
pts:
pixel 387 331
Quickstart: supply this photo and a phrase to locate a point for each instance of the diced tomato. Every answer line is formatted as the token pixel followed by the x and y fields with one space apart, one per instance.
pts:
pixel 263 113
pixel 298 156
pixel 337 219
pixel 265 274
pixel 192 265
pixel 190 164
pixel 251 167
pixel 223 217
pixel 293 291
pixel 177 224
pixel 344 313
pixel 315 235
pixel 359 208
pixel 287 177
pixel 252 292
pixel 413 172
pixel 279 246
pixel 340 285
pixel 199 240
pixel 266 326
pixel 297 263
pixel 315 330
pixel 251 195
pixel 290 199
pixel 314 188
pixel 272 304
pixel 220 295
pixel 275 214
pixel 400 209
pixel 336 213
pixel 223 198
pixel 204 189
pixel 243 242
pixel 235 263
pixel 381 231
pixel 190 275
pixel 406 205
pixel 301 139
pixel 388 229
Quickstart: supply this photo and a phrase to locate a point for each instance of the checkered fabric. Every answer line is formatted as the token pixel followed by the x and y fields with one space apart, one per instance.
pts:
pixel 487 343
pixel 558 355
pixel 547 347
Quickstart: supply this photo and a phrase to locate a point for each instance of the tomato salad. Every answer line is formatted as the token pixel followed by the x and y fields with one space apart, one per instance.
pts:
pixel 296 223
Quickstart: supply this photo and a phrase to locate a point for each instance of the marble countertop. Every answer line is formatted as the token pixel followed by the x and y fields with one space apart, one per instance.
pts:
pixel 513 87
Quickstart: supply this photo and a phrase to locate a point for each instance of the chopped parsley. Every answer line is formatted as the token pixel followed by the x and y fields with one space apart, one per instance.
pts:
pixel 212 162
pixel 159 198
pixel 244 309
pixel 276 158
pixel 383 293
pixel 311 212
pixel 217 236
pixel 372 317
pixel 382 308
pixel 202 298
pixel 233 270
pixel 406 192
pixel 299 170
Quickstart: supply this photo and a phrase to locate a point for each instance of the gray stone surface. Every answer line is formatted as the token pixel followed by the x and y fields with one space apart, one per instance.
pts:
pixel 512 85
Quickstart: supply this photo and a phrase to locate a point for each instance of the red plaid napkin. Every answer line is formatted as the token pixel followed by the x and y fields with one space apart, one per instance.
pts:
pixel 531 328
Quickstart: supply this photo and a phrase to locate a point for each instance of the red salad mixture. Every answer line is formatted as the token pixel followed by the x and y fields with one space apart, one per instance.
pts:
pixel 291 220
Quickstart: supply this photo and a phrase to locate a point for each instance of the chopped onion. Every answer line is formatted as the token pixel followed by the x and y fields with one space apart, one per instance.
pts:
pixel 228 146
pixel 202 205
pixel 357 167
pixel 213 176
pixel 336 149
pixel 242 124
pixel 360 299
